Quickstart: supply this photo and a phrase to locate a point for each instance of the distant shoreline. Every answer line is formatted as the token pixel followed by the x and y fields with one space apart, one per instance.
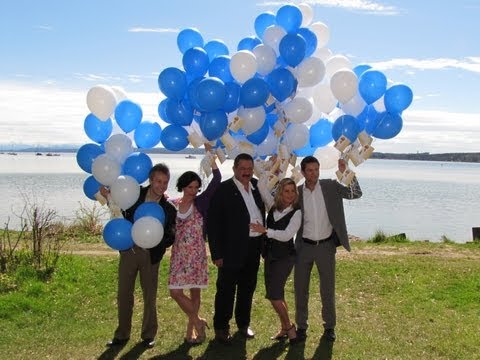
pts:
pixel 472 157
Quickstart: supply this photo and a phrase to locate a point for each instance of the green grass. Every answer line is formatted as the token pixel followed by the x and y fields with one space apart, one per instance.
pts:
pixel 394 301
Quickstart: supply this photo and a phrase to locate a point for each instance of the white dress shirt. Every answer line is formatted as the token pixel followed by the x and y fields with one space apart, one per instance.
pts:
pixel 253 210
pixel 316 225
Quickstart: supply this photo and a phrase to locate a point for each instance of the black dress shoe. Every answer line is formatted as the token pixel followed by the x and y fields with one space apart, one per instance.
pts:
pixel 301 334
pixel 223 336
pixel 329 334
pixel 247 332
pixel 117 342
pixel 148 343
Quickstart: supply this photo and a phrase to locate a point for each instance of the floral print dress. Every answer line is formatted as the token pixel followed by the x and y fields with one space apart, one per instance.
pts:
pixel 188 260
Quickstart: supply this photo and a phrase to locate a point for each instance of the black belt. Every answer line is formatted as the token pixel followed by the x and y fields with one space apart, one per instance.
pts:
pixel 316 242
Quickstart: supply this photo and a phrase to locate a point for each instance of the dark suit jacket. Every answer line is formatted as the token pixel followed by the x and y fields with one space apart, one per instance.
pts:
pixel 157 252
pixel 228 225
pixel 333 193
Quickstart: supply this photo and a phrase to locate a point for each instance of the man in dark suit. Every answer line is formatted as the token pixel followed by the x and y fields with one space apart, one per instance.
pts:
pixel 234 248
pixel 323 229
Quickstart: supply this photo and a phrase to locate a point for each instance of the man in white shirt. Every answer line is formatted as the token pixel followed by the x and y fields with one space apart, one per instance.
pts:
pixel 323 229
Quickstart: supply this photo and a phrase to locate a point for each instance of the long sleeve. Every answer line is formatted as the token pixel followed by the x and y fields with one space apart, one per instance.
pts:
pixel 265 193
pixel 353 191
pixel 290 230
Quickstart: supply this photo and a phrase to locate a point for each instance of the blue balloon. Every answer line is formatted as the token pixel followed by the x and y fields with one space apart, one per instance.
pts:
pixel 372 85
pixel 248 43
pixel 368 119
pixel 397 98
pixel 96 129
pixel 162 110
pixel 389 125
pixel 214 124
pixel 191 95
pixel 232 96
pixel 195 62
pixel 150 208
pixel 189 38
pixel 137 165
pixel 211 94
pixel 289 17
pixel 179 112
pixel 173 83
pixel 310 40
pixel 292 49
pixel 281 83
pixel 118 234
pixel 147 134
pixel 254 93
pixel 220 68
pixel 263 21
pixel 306 150
pixel 128 115
pixel 215 48
pixel 90 187
pixel 86 154
pixel 321 133
pixel 360 69
pixel 346 125
pixel 271 119
pixel 174 138
pixel 261 134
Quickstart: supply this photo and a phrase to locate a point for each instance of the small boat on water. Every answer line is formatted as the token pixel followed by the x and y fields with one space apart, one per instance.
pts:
pixel 190 156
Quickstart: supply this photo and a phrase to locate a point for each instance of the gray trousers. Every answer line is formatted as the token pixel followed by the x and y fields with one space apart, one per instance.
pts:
pixel 133 261
pixel 323 255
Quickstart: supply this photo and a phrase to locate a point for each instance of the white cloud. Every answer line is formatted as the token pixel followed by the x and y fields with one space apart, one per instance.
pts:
pixel 153 30
pixel 366 6
pixel 44 27
pixel 471 64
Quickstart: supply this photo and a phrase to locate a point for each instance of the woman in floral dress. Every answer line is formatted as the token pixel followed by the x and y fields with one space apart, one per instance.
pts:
pixel 188 261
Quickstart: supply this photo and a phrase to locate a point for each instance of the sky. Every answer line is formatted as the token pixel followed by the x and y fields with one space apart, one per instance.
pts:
pixel 54 51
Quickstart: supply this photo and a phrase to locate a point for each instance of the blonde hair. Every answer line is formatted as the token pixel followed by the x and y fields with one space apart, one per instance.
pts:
pixel 277 199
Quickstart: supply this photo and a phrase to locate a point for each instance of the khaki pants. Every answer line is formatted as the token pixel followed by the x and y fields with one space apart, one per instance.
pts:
pixel 133 261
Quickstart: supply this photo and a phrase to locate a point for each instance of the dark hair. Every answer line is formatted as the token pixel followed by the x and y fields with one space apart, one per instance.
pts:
pixel 159 168
pixel 308 160
pixel 242 156
pixel 187 178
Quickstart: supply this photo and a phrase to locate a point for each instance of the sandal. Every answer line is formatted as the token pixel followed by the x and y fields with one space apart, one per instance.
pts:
pixel 200 328
pixel 281 335
pixel 292 335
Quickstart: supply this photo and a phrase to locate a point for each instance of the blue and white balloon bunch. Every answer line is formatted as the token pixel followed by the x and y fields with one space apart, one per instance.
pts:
pixel 283 84
pixel 112 162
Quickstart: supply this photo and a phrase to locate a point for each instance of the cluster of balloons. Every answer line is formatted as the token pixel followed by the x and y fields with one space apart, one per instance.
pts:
pixel 283 82
pixel 111 160
pixel 283 86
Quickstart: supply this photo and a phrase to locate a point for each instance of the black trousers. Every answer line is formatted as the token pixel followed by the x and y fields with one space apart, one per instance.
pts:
pixel 236 285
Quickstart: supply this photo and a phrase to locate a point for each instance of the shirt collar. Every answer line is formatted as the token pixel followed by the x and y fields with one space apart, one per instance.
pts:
pixel 240 185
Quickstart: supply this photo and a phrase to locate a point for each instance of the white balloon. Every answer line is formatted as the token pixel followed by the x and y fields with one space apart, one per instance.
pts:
pixel 105 169
pixel 268 146
pixel 119 146
pixel 266 59
pixel 316 114
pixel 336 63
pixel 344 85
pixel 323 98
pixel 147 232
pixel 327 156
pixel 307 14
pixel 120 93
pixel 243 65
pixel 296 136
pixel 272 37
pixel 323 54
pixel 125 191
pixel 253 118
pixel 298 110
pixel 310 72
pixel 322 32
pixel 354 106
pixel 101 101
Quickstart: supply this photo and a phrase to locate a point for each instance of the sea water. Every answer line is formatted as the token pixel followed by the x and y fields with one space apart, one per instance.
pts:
pixel 425 200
